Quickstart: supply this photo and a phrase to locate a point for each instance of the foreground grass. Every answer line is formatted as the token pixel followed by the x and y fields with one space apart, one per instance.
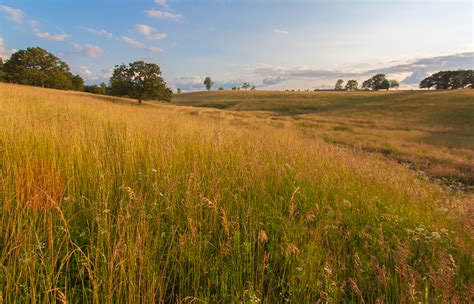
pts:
pixel 430 130
pixel 104 202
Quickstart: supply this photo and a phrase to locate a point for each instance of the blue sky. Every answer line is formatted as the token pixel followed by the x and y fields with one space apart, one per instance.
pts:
pixel 274 44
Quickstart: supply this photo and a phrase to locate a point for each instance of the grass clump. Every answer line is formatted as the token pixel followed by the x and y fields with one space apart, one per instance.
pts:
pixel 106 202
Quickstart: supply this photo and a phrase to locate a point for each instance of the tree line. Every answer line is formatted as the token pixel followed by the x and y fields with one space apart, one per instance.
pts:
pixel 37 67
pixel 375 83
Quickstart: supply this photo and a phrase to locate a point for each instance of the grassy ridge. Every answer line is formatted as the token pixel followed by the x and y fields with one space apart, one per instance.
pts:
pixel 430 130
pixel 105 202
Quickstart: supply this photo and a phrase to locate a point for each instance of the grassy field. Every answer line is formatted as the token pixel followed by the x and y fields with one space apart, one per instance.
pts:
pixel 431 131
pixel 104 201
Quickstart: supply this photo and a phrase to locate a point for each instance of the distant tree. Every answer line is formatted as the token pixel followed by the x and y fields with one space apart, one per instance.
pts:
pixel 367 85
pixel 394 84
pixel 77 83
pixel 140 80
pixel 221 89
pixel 2 73
pixel 445 80
pixel 253 88
pixel 234 88
pixel 352 85
pixel 338 86
pixel 385 85
pixel 94 89
pixel 208 83
pixel 377 82
pixel 178 90
pixel 246 86
pixel 103 88
pixel 36 66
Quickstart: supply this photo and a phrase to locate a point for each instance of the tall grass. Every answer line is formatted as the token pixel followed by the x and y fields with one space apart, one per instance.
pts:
pixel 105 203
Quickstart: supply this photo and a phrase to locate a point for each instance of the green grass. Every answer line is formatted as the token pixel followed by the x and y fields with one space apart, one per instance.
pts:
pixel 111 202
pixel 432 131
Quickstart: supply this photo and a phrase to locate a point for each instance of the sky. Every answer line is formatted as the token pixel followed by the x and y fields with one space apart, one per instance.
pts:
pixel 273 44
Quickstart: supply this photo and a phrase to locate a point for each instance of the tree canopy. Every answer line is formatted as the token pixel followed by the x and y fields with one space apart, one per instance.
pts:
pixel 140 80
pixel 379 82
pixel 208 83
pixel 338 86
pixel 36 66
pixel 352 85
pixel 446 80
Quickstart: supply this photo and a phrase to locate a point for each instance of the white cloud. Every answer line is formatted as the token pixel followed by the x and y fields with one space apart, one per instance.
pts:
pixel 163 15
pixel 140 45
pixel 85 72
pixel 149 33
pixel 100 32
pixel 281 32
pixel 33 23
pixel 14 15
pixel 88 50
pixel 163 3
pixel 4 52
pixel 50 37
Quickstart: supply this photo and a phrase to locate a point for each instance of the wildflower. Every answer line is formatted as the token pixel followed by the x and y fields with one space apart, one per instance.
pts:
pixel 262 237
pixel 292 249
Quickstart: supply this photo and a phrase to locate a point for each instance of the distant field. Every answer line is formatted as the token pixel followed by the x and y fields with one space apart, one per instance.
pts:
pixel 432 131
pixel 104 201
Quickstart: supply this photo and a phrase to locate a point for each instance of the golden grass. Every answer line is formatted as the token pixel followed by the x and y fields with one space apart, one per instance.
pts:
pixel 159 204
pixel 429 130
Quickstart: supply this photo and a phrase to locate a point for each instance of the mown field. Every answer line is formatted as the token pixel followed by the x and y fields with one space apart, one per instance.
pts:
pixel 431 131
pixel 104 201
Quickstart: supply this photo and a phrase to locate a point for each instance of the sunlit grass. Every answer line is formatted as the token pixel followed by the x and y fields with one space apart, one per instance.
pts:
pixel 105 202
pixel 432 131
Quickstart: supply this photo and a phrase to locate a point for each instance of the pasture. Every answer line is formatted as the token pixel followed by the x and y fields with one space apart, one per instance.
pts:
pixel 431 131
pixel 104 201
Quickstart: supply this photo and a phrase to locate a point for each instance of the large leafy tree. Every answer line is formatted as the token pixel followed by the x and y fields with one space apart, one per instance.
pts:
pixel 445 80
pixel 140 80
pixel 351 85
pixel 36 66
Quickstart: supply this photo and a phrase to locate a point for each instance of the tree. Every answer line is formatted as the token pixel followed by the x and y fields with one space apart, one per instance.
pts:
pixel 352 85
pixel 36 66
pixel 2 73
pixel 103 88
pixel 246 86
pixel 221 89
pixel 445 80
pixel 178 91
pixel 338 86
pixel 94 89
pixel 253 88
pixel 394 84
pixel 77 83
pixel 141 81
pixel 377 82
pixel 385 85
pixel 208 83
pixel 367 85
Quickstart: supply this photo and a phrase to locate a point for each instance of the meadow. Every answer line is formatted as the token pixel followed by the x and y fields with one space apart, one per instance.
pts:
pixel 104 201
pixel 430 131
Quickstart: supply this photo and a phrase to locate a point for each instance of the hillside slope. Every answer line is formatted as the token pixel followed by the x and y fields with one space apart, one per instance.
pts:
pixel 431 131
pixel 106 201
